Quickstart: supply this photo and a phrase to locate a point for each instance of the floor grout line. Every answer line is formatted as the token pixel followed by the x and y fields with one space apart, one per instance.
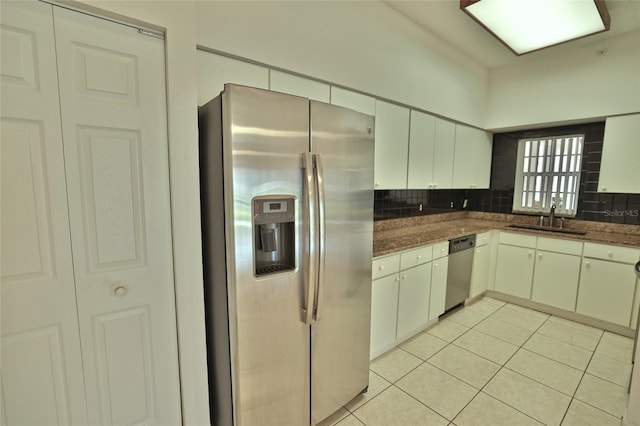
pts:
pixel 501 366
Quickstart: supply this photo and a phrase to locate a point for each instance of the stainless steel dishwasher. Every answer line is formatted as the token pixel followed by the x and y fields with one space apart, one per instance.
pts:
pixel 459 275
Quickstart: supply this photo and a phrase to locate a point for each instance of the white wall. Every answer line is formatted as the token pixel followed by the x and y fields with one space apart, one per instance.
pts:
pixel 567 87
pixel 362 45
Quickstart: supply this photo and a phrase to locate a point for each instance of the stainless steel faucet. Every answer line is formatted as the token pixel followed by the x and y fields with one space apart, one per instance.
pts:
pixel 552 215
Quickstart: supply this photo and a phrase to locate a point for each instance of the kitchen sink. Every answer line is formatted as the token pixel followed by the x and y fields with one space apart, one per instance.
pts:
pixel 547 229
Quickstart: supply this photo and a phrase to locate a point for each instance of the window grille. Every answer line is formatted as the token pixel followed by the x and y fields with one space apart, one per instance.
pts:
pixel 548 172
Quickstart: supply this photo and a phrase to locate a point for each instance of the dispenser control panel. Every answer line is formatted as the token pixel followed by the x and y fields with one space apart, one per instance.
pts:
pixel 274 206
pixel 272 210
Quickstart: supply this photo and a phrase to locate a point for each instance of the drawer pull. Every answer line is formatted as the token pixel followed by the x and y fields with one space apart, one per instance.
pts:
pixel 380 268
pixel 419 257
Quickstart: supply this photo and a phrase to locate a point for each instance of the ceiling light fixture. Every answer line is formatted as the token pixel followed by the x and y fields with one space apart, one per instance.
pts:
pixel 525 26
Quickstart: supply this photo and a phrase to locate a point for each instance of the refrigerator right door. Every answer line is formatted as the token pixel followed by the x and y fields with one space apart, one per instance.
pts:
pixel 343 142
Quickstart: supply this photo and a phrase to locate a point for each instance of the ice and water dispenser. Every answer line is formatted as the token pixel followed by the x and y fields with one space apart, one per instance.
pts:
pixel 274 234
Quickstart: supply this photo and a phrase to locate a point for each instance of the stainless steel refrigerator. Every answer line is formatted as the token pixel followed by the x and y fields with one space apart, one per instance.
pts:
pixel 287 208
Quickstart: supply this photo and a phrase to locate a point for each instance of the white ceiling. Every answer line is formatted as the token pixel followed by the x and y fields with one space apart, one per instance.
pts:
pixel 444 19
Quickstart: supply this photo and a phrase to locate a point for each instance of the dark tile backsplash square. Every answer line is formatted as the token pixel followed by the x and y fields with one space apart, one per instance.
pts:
pixel 613 208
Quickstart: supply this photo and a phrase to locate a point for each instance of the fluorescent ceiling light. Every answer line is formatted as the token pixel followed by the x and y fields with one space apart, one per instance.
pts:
pixel 528 25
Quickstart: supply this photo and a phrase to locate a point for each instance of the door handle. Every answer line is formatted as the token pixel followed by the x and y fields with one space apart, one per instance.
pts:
pixel 322 237
pixel 309 238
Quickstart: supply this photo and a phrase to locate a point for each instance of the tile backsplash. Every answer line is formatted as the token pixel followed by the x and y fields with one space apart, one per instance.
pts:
pixel 612 208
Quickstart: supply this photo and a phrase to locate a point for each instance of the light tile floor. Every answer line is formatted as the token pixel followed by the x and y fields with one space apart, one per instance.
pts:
pixel 494 363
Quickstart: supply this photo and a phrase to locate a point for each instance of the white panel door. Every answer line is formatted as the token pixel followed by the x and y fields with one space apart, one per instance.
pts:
pixel 555 280
pixel 619 171
pixel 421 149
pixel 606 291
pixel 514 270
pixel 384 313
pixel 413 300
pixel 472 159
pixel 114 127
pixel 42 380
pixel 445 138
pixel 392 146
pixel 439 273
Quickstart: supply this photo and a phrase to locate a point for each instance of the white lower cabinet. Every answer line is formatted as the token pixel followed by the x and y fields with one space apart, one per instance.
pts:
pixel 413 300
pixel 514 270
pixel 384 313
pixel 439 270
pixel 555 280
pixel 481 265
pixel 606 291
pixel 408 291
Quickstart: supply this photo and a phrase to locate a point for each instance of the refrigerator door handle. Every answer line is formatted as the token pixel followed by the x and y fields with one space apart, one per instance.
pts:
pixel 322 238
pixel 309 237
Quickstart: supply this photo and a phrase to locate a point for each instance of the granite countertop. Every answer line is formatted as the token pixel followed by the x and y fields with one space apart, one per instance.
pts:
pixel 390 236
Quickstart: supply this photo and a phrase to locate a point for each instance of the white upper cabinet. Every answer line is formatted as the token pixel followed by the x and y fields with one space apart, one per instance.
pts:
pixel 421 149
pixel 620 165
pixel 356 101
pixel 472 162
pixel 392 146
pixel 299 86
pixel 445 137
pixel 214 71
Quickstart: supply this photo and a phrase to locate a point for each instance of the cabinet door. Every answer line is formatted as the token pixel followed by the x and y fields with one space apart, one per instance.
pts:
pixel 413 299
pixel 445 135
pixel 619 171
pixel 214 71
pixel 606 291
pixel 555 280
pixel 440 268
pixel 112 96
pixel 480 270
pixel 299 86
pixel 514 270
pixel 42 378
pixel 392 146
pixel 421 148
pixel 384 313
pixel 472 160
pixel 353 100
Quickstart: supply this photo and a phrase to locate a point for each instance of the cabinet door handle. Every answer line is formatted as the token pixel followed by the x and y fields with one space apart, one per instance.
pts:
pixel 380 268
pixel 419 257
pixel 377 184
pixel 397 279
pixel 404 276
pixel 610 253
pixel 120 291
pixel 435 265
pixel 530 253
pixel 587 263
pixel 539 255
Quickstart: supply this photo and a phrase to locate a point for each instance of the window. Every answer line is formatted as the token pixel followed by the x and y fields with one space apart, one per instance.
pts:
pixel 548 172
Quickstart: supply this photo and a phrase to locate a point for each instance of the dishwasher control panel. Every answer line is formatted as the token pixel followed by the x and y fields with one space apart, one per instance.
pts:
pixel 462 243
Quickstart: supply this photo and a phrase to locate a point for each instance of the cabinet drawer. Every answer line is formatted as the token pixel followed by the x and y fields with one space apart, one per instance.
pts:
pixel 483 239
pixel 387 265
pixel 415 257
pixel 520 240
pixel 614 253
pixel 560 246
pixel 440 249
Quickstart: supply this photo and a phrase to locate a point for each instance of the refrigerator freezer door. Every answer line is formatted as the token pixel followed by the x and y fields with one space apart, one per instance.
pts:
pixel 340 337
pixel 265 134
